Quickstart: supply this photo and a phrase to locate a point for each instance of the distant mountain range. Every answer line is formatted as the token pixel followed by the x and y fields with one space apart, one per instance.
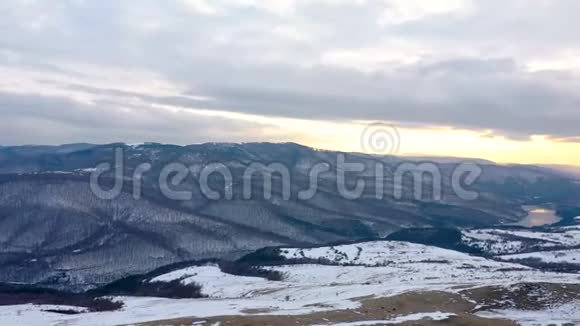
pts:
pixel 54 231
pixel 572 171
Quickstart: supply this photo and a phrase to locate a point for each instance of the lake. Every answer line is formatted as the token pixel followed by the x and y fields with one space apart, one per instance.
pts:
pixel 538 216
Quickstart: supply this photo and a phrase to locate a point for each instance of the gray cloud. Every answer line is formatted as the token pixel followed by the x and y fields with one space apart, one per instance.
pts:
pixel 470 71
pixel 479 94
pixel 33 119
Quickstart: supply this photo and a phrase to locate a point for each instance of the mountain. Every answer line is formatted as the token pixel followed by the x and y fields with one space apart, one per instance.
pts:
pixel 55 232
pixel 570 170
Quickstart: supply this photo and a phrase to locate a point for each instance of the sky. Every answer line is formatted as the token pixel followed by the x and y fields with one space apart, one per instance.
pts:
pixel 491 79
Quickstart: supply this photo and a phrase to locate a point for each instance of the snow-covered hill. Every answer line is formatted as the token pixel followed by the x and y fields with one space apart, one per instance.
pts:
pixel 346 274
pixel 504 241
pixel 386 253
pixel 571 256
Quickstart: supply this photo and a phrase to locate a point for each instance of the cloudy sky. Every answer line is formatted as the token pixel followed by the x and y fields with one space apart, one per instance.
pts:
pixel 490 78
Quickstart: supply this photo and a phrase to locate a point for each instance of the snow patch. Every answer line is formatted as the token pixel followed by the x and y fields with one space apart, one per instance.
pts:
pixel 557 315
pixel 435 316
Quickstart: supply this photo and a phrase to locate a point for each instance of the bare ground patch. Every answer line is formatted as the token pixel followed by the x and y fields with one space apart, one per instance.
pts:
pixel 371 309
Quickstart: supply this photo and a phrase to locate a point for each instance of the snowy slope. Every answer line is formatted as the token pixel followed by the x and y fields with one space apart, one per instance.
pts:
pixel 215 283
pixel 383 253
pixel 490 243
pixel 552 257
pixel 568 314
pixel 502 242
pixel 402 268
pixel 569 236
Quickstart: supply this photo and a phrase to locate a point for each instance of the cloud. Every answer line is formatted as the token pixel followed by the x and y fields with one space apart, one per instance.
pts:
pixel 200 6
pixel 475 94
pixel 34 119
pixel 505 68
pixel 401 11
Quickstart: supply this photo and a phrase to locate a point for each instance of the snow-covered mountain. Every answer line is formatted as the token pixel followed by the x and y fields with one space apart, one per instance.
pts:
pixel 55 233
